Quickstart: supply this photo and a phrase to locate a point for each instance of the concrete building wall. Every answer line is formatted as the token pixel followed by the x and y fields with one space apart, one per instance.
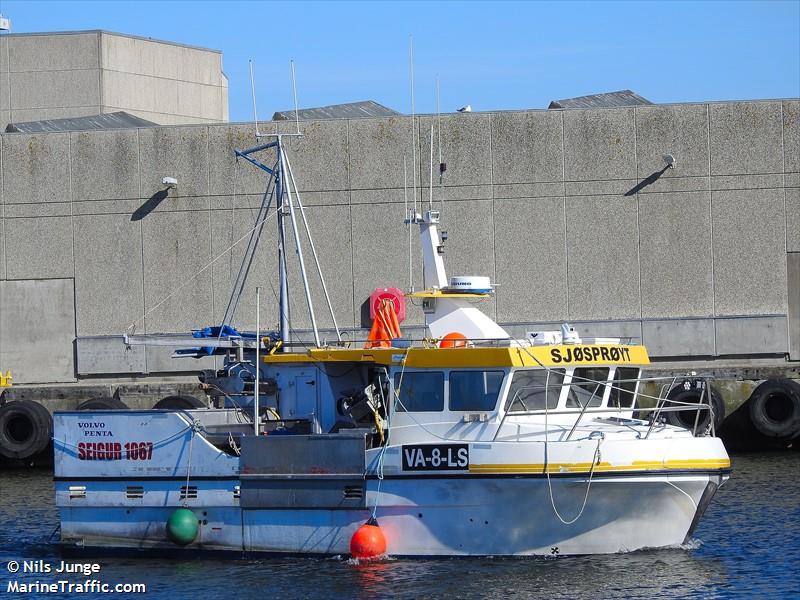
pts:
pixel 571 212
pixel 75 74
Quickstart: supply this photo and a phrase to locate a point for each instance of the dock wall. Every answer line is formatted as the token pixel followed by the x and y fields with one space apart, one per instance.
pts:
pixel 570 211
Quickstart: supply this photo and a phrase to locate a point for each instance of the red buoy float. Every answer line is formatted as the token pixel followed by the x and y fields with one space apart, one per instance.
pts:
pixel 454 339
pixel 368 541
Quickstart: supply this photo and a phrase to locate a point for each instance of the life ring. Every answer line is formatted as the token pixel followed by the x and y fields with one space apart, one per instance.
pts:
pixel 774 408
pixel 26 429
pixel 179 402
pixel 692 391
pixel 102 403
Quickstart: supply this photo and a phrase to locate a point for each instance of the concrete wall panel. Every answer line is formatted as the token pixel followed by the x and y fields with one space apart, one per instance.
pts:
pixel 602 258
pixel 749 252
pixel 377 148
pixel 793 316
pixel 680 130
pixel 760 335
pixel 465 145
pixel 200 66
pixel 792 219
pixel 140 93
pixel 108 274
pixel 58 52
pixel 380 258
pixel 791 136
pixel 627 330
pixel 132 55
pixel 105 355
pixel 177 245
pixel 2 218
pixel 531 259
pixel 5 92
pixel 37 324
pixel 179 152
pixel 526 147
pixel 330 226
pixel 197 99
pixel 39 248
pixel 679 337
pixel 599 144
pixel 54 89
pixel 104 165
pixel 227 227
pixel 675 251
pixel 319 159
pixel 745 138
pixel 227 174
pixel 35 168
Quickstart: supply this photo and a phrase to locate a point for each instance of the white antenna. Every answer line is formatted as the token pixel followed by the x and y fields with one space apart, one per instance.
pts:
pixel 410 220
pixel 253 90
pixel 294 91
pixel 430 178
pixel 413 120
pixel 439 133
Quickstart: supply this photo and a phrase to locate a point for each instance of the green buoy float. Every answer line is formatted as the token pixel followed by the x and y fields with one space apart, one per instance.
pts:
pixel 182 526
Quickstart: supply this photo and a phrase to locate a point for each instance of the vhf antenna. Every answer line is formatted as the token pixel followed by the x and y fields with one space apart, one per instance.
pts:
pixel 253 90
pixel 294 91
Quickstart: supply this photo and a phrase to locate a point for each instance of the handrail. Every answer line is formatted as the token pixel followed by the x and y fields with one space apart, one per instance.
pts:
pixel 663 404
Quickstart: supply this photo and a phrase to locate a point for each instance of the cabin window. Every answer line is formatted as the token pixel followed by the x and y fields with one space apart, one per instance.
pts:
pixel 419 391
pixel 624 390
pixel 534 389
pixel 474 390
pixel 588 387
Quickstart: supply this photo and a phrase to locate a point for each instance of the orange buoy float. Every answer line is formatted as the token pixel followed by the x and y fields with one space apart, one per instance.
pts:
pixel 368 541
pixel 454 339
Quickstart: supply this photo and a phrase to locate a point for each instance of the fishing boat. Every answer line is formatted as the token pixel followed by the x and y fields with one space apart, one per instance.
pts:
pixel 467 442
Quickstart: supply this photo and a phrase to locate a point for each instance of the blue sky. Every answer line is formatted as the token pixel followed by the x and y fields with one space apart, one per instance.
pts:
pixel 491 55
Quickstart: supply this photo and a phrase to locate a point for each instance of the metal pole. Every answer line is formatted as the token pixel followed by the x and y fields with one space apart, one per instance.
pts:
pixel 257 390
pixel 299 250
pixel 284 288
pixel 313 249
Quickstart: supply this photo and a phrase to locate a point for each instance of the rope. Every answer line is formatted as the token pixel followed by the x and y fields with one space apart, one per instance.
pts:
pixel 595 461
pixel 194 427
pixel 383 449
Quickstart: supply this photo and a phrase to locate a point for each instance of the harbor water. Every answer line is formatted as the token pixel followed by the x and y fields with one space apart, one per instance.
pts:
pixel 748 545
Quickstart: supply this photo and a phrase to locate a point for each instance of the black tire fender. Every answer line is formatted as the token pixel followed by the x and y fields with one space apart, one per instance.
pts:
pixel 26 429
pixel 179 402
pixel 692 391
pixel 102 403
pixel 774 408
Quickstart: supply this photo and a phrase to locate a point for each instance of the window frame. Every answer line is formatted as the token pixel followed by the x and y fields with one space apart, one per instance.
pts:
pixel 398 408
pixel 500 389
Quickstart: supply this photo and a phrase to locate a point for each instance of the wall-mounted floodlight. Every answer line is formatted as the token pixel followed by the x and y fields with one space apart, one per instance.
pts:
pixel 670 160
pixel 170 183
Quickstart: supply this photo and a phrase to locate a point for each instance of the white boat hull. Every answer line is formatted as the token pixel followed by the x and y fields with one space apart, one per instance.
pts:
pixel 444 516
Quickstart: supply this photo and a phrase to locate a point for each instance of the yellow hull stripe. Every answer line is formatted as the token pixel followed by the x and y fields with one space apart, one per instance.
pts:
pixel 560 355
pixel 639 465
